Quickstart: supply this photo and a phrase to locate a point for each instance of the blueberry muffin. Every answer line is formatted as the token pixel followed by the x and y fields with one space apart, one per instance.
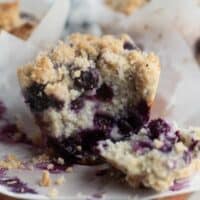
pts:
pixel 125 6
pixel 90 89
pixel 9 15
pixel 160 156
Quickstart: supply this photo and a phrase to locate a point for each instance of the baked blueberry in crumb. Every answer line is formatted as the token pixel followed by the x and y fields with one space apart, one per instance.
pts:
pixel 90 138
pixel 138 116
pixel 90 89
pixel 88 80
pixel 77 104
pixel 158 127
pixel 129 46
pixel 39 101
pixel 103 121
pixel 104 93
pixel 125 128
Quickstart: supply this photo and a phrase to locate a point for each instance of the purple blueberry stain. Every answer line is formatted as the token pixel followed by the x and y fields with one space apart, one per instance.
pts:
pixel 158 127
pixel 55 169
pixel 104 93
pixel 179 184
pixel 38 101
pixel 166 147
pixel 16 185
pixel 141 147
pixel 2 172
pixel 88 80
pixel 77 104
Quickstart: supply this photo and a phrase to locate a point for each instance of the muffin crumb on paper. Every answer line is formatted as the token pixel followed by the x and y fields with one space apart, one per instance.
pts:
pixel 46 179
pixel 11 162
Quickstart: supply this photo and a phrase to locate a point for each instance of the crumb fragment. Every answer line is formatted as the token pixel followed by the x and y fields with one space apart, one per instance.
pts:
pixel 53 193
pixel 46 179
pixel 60 180
pixel 180 147
pixel 11 162
pixel 41 158
pixel 157 143
pixel 69 169
pixel 50 166
pixel 60 161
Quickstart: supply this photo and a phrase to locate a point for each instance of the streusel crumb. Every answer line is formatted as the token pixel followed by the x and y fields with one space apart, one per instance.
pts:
pixel 46 179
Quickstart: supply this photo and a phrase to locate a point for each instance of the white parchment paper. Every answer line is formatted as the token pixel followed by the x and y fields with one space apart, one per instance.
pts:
pixel 178 100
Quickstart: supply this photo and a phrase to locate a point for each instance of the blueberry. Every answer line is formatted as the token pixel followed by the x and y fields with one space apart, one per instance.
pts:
pixel 135 120
pixel 104 93
pixel 158 127
pixel 103 121
pixel 129 46
pixel 124 127
pixel 77 104
pixel 90 138
pixel 143 110
pixel 39 101
pixel 88 80
pixel 66 148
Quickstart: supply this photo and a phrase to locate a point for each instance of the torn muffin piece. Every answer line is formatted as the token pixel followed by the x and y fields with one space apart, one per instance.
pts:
pixel 90 89
pixel 9 15
pixel 160 156
pixel 126 6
